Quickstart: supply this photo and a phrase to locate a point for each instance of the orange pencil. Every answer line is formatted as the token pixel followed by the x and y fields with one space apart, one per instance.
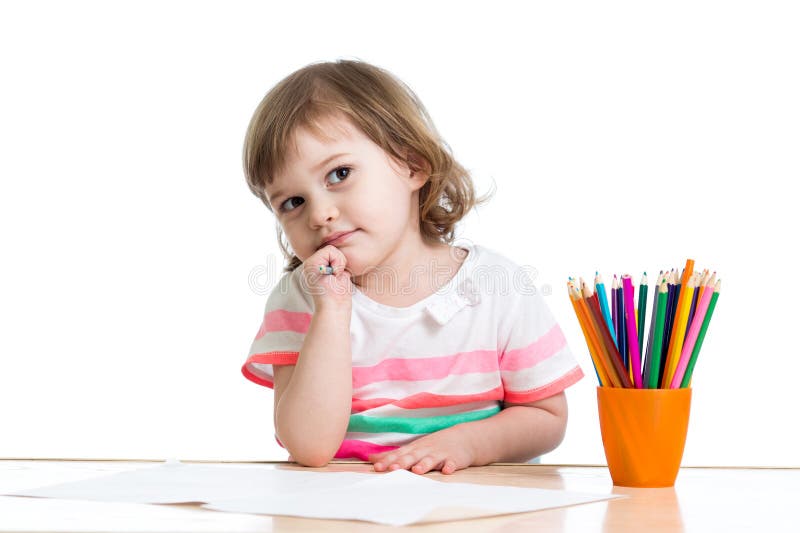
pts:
pixel 598 365
pixel 605 336
pixel 604 358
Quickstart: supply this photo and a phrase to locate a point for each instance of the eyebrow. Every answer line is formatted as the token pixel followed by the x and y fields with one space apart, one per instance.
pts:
pixel 315 168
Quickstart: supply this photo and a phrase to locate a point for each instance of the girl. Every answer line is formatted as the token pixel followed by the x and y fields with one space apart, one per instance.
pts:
pixel 383 341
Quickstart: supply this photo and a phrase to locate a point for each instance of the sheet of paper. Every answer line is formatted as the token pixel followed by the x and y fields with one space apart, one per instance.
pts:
pixel 394 498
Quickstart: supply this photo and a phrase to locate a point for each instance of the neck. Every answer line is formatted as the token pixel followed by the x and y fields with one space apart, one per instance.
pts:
pixel 414 270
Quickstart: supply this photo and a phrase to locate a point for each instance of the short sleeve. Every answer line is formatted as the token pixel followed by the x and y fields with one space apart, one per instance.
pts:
pixel 287 316
pixel 535 360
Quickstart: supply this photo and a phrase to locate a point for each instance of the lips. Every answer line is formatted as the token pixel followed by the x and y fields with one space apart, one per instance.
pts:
pixel 337 237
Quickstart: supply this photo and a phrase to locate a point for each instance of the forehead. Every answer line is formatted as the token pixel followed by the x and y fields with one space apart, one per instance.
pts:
pixel 311 145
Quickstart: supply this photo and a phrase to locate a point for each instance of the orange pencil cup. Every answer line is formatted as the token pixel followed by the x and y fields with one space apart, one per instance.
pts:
pixel 644 431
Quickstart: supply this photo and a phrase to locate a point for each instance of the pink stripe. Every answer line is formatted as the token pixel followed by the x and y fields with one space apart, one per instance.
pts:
pixel 282 320
pixel 542 348
pixel 425 368
pixel 545 391
pixel 359 449
pixel 425 400
pixel 272 358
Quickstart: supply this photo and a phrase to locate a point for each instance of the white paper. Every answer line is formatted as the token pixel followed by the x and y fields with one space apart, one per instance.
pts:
pixel 394 498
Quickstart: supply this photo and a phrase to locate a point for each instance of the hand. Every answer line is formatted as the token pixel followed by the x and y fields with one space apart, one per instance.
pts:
pixel 444 450
pixel 335 288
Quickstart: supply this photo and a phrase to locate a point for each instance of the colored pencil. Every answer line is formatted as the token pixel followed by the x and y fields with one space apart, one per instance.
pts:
pixel 614 310
pixel 621 337
pixel 648 358
pixel 679 325
pixel 658 317
pixel 698 279
pixel 670 318
pixel 682 307
pixel 598 366
pixel 600 290
pixel 687 376
pixel 613 379
pixel 633 335
pixel 642 316
pixel 706 283
pixel 691 338
pixel 604 337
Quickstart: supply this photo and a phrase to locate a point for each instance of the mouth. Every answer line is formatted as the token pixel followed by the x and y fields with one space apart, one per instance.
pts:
pixel 337 238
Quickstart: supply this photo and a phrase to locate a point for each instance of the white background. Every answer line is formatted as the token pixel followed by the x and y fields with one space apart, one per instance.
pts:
pixel 622 137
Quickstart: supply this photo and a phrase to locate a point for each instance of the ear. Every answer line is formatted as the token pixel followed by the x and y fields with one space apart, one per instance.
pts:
pixel 419 167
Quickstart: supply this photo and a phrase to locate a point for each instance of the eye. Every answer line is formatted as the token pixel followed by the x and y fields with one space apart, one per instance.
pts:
pixel 337 170
pixel 287 205
pixel 339 173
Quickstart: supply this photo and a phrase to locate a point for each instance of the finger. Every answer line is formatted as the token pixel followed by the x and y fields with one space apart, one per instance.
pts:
pixel 378 461
pixel 384 459
pixel 404 461
pixel 333 257
pixel 449 466
pixel 424 465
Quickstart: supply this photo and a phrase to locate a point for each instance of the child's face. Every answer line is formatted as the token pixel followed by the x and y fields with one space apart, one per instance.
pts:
pixel 346 184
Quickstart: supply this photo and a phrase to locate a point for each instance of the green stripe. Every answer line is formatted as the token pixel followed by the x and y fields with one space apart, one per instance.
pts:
pixel 374 424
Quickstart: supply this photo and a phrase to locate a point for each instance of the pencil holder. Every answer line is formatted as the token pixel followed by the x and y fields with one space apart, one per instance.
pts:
pixel 644 432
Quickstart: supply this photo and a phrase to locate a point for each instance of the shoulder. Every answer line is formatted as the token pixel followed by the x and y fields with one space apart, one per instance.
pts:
pixel 499 276
pixel 291 293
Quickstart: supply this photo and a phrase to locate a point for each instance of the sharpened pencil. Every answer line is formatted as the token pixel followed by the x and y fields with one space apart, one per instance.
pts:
pixel 679 325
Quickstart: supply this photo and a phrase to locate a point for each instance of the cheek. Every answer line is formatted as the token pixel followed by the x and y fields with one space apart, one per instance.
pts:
pixel 298 244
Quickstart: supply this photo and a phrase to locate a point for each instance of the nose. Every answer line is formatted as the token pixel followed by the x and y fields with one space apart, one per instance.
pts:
pixel 323 212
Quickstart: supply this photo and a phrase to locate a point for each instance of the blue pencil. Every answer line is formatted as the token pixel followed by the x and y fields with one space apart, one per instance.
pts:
pixel 621 334
pixel 600 289
pixel 614 318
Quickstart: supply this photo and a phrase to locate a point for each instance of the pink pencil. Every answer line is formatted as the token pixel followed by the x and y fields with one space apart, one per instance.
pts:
pixel 691 338
pixel 633 334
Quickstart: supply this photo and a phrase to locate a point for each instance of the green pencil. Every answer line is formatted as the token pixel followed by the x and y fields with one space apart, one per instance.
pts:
pixel 661 313
pixel 642 309
pixel 687 376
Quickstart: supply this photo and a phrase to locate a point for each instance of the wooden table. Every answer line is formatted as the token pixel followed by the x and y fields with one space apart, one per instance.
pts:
pixel 703 499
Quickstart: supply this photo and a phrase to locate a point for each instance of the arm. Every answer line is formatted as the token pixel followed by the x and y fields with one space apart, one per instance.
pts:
pixel 313 398
pixel 517 433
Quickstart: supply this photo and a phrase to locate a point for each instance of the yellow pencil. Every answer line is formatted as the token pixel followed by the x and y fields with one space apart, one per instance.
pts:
pixel 671 349
pixel 679 330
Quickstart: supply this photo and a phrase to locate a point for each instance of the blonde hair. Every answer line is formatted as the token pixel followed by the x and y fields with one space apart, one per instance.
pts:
pixel 386 110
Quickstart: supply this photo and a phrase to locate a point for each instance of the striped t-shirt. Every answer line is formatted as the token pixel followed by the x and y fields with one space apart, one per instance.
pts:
pixel 484 338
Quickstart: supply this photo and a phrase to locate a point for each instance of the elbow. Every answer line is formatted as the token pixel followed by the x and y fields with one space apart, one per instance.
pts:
pixel 313 454
pixel 560 432
pixel 559 429
pixel 312 458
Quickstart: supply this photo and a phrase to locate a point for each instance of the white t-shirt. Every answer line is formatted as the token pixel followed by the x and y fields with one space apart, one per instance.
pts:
pixel 485 337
